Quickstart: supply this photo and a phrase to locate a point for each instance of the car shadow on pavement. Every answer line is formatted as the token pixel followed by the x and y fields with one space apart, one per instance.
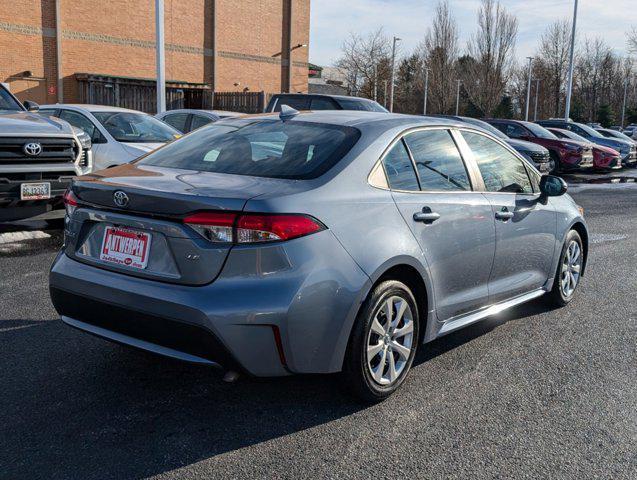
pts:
pixel 447 343
pixel 77 407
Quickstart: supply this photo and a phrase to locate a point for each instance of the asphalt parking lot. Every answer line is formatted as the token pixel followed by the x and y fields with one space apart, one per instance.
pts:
pixel 532 393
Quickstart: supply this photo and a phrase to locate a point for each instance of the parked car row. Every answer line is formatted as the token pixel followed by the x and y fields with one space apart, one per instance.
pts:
pixel 106 136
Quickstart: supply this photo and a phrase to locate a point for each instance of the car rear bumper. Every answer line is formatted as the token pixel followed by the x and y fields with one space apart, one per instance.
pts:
pixel 13 208
pixel 272 311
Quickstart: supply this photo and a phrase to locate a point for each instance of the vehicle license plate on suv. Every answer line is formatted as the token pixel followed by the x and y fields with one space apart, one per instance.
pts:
pixel 35 191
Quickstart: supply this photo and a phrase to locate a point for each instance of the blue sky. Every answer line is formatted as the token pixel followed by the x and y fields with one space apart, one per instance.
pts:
pixel 332 20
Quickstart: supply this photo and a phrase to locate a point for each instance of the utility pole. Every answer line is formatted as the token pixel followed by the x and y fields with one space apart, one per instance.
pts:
pixel 385 95
pixel 393 72
pixel 375 82
pixel 289 71
pixel 537 94
pixel 424 101
pixel 569 86
pixel 528 90
pixel 624 104
pixel 161 70
pixel 458 97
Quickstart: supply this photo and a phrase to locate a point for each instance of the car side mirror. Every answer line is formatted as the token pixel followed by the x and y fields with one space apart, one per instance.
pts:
pixel 552 186
pixel 31 106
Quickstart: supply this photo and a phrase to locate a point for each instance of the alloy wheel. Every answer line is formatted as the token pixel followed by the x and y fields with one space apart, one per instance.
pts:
pixel 571 268
pixel 390 340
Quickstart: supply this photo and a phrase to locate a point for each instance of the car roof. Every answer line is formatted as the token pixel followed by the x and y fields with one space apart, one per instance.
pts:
pixel 355 118
pixel 215 113
pixel 90 108
pixel 344 97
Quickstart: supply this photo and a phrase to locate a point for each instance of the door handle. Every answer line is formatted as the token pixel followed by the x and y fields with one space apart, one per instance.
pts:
pixel 426 216
pixel 504 214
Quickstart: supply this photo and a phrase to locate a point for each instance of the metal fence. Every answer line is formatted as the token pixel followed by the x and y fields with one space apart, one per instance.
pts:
pixel 244 102
pixel 140 94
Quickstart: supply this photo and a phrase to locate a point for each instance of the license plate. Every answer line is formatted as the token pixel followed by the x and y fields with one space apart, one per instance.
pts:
pixel 35 191
pixel 126 247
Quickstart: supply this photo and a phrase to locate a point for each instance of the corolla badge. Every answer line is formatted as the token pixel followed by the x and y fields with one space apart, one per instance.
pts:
pixel 32 149
pixel 120 198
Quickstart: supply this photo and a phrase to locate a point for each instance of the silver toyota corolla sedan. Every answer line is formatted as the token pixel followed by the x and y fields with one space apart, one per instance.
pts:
pixel 314 242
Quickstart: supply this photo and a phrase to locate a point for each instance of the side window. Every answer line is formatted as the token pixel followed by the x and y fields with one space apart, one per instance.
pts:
pixel 579 131
pixel 297 103
pixel 322 103
pixel 199 121
pixel 500 169
pixel 439 164
pixel 515 131
pixel 80 121
pixel 47 112
pixel 399 169
pixel 177 120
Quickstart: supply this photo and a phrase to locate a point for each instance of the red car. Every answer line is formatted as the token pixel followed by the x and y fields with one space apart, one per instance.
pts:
pixel 604 158
pixel 565 154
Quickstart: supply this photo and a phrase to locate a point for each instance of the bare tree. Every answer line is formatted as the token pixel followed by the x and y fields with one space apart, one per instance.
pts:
pixel 492 50
pixel 632 40
pixel 364 60
pixel 439 52
pixel 552 60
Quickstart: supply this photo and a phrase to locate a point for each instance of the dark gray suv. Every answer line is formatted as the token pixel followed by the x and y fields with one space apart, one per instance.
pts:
pixel 314 242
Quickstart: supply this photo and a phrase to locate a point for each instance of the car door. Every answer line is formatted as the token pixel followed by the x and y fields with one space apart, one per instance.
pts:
pixel 452 223
pixel 525 226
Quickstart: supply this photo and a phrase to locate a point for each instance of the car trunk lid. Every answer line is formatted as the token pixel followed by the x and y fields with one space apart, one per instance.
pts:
pixel 113 234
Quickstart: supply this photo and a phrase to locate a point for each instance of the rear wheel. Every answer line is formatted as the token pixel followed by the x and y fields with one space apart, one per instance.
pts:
pixel 383 342
pixel 569 270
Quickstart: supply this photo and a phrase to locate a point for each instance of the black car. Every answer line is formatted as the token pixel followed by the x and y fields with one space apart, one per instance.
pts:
pixel 311 101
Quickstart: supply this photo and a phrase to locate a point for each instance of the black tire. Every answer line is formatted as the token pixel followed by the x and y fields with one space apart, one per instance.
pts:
pixel 557 296
pixel 356 377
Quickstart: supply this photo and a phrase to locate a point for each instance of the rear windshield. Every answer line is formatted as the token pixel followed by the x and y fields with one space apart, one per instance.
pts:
pixel 267 148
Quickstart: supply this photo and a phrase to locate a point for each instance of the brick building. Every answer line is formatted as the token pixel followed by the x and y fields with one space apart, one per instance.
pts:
pixel 109 46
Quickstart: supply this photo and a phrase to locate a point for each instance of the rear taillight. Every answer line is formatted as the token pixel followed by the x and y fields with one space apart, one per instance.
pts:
pixel 221 227
pixel 213 226
pixel 70 202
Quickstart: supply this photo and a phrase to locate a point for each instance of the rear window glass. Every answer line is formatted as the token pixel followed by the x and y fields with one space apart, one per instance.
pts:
pixel 275 149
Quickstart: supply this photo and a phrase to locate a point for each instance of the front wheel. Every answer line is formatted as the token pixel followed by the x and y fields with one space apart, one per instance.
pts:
pixel 569 270
pixel 383 343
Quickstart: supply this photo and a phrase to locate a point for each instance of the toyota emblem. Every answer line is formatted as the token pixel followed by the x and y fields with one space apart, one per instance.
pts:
pixel 120 198
pixel 32 149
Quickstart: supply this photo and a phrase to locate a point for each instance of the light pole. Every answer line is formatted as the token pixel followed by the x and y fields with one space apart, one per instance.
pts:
pixel 569 86
pixel 624 104
pixel 161 70
pixel 537 94
pixel 393 70
pixel 458 97
pixel 385 95
pixel 528 90
pixel 424 101
pixel 375 82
